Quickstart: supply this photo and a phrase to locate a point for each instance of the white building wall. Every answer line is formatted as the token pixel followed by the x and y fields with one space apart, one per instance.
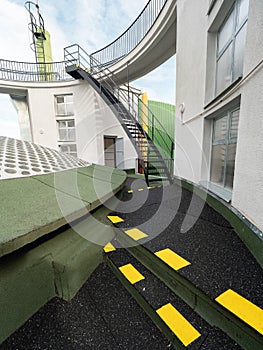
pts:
pixel 190 86
pixel 93 118
pixel 248 182
pixel 195 87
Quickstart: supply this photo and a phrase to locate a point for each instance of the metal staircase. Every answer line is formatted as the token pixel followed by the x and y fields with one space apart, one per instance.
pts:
pixel 154 159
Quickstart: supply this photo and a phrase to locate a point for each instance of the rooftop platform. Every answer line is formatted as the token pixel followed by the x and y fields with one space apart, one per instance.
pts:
pixel 194 286
pixel 37 205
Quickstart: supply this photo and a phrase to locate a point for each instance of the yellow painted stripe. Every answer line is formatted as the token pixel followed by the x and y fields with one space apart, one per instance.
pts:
pixel 130 191
pixel 140 189
pixel 115 219
pixel 178 324
pixel 131 273
pixel 172 259
pixel 109 248
pixel 136 234
pixel 150 187
pixel 242 308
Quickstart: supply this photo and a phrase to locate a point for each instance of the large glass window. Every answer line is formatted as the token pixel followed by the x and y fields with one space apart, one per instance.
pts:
pixel 66 130
pixel 64 105
pixel 225 131
pixel 70 148
pixel 230 45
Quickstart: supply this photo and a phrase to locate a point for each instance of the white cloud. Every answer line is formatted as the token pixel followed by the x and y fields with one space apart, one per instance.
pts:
pixel 160 83
pixel 90 23
pixel 14 39
pixel 8 118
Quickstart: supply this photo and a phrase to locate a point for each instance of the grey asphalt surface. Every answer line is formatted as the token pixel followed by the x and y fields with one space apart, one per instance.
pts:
pixel 104 316
pixel 175 218
pixel 101 316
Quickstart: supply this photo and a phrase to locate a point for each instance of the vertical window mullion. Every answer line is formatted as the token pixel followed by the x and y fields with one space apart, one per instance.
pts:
pixel 234 39
pixel 227 138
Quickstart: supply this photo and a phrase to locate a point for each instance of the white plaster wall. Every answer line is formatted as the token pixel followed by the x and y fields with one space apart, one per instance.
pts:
pixel 248 181
pixel 42 113
pixel 190 86
pixel 195 88
pixel 93 120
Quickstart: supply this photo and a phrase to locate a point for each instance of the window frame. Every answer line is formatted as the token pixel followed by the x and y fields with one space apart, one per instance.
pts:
pixel 228 140
pixel 232 41
pixel 67 128
pixel 65 103
pixel 68 144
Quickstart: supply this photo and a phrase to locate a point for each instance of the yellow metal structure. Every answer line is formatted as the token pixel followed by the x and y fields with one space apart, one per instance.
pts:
pixel 145 111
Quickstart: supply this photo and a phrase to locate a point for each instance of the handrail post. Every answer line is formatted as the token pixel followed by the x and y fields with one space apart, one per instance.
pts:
pixel 153 127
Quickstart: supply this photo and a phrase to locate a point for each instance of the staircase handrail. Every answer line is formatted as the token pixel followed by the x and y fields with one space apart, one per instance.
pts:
pixel 75 55
pixel 30 71
pixel 132 36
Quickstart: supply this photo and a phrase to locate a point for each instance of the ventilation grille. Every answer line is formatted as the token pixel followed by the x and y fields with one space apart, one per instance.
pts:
pixel 21 158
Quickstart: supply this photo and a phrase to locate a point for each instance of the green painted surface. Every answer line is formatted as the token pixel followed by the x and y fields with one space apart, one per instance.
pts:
pixel 58 267
pixel 26 284
pixel 165 113
pixel 34 206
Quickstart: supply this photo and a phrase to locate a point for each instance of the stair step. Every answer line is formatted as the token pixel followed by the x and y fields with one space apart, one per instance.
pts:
pixel 126 117
pixel 156 167
pixel 103 315
pixel 204 279
pixel 157 178
pixel 178 322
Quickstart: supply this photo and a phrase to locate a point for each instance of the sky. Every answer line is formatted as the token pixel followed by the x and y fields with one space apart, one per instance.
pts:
pixel 90 23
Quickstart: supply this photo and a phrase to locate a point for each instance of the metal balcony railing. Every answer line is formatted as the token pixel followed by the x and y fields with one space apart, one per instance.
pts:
pixel 38 72
pixel 127 41
pixel 74 55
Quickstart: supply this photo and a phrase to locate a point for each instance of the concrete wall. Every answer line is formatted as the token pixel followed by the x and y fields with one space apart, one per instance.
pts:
pixel 248 185
pixel 190 86
pixel 93 118
pixel 195 87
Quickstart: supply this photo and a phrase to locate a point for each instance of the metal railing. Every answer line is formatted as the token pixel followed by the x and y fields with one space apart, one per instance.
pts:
pixel 74 55
pixel 39 72
pixel 127 41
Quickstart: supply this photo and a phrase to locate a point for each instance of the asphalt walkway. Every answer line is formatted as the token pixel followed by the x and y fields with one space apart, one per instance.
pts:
pixel 177 232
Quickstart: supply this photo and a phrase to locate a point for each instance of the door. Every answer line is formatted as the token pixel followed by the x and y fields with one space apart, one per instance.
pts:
pixel 110 151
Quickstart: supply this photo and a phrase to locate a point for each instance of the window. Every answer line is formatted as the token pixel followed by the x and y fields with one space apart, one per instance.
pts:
pixel 64 105
pixel 66 130
pixel 225 131
pixel 69 148
pixel 230 45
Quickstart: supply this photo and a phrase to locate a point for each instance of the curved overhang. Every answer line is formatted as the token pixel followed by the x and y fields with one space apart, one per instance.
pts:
pixel 156 47
pixel 20 88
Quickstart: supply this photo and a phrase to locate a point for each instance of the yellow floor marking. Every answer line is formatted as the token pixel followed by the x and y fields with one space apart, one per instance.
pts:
pixel 150 187
pixel 109 248
pixel 130 191
pixel 242 308
pixel 178 324
pixel 115 219
pixel 136 234
pixel 130 272
pixel 172 259
pixel 140 189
